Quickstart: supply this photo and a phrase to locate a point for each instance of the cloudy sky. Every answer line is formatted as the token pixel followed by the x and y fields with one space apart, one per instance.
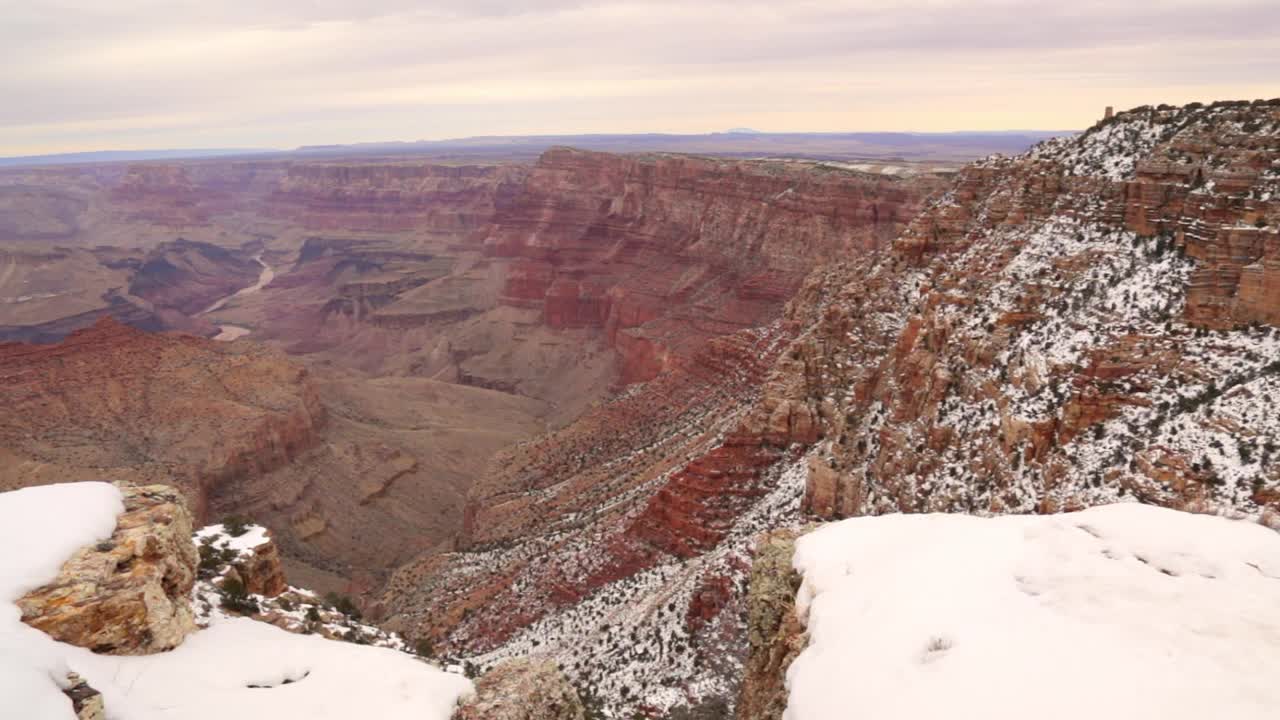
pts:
pixel 125 74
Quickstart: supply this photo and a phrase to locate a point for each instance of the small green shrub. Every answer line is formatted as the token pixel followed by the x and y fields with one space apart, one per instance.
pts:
pixel 236 599
pixel 236 525
pixel 343 604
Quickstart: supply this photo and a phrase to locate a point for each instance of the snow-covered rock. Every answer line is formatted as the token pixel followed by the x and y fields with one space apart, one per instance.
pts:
pixel 1120 611
pixel 130 593
pixel 236 667
pixel 249 551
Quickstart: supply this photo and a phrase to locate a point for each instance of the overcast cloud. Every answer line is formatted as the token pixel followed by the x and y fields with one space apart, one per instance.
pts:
pixel 150 74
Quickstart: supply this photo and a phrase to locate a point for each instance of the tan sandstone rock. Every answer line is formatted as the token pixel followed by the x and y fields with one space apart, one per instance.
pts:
pixel 127 595
pixel 261 571
pixel 523 689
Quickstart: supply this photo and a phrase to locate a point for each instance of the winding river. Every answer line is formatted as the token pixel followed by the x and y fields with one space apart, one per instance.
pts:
pixel 231 332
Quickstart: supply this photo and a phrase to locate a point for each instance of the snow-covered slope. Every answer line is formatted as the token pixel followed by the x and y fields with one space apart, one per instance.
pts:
pixel 1121 611
pixel 235 668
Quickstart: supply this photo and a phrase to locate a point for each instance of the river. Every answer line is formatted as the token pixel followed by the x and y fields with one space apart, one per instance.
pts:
pixel 231 332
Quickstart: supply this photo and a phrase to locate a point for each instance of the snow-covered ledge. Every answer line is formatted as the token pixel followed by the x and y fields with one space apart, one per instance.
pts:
pixel 235 668
pixel 1122 611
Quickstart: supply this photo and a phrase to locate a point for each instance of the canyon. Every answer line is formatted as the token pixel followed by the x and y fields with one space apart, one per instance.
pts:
pixel 385 327
pixel 1071 327
pixel 550 408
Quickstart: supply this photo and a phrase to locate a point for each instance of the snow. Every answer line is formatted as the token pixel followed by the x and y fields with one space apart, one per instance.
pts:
pixel 236 667
pixel 209 677
pixel 253 536
pixel 1119 611
pixel 40 528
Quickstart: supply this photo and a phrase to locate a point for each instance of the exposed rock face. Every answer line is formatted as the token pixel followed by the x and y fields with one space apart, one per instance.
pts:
pixel 661 252
pixel 523 689
pixel 1037 339
pixel 262 572
pixel 160 194
pixel 128 595
pixel 259 571
pixel 775 633
pixel 394 197
pixel 86 702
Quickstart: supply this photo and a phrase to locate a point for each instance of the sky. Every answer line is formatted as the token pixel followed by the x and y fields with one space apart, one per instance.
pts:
pixel 151 74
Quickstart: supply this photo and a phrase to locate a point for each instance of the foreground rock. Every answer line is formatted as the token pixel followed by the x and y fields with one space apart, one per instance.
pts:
pixel 523 689
pixel 129 594
pixel 774 631
pixel 1139 611
pixel 231 668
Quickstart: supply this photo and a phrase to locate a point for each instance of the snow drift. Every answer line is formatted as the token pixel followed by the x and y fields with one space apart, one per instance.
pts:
pixel 1121 611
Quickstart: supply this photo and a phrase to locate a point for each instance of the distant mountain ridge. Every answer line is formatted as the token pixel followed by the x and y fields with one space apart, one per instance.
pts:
pixel 99 156
pixel 738 142
pixel 959 147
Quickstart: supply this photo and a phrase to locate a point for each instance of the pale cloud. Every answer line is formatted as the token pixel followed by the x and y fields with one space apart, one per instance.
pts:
pixel 146 73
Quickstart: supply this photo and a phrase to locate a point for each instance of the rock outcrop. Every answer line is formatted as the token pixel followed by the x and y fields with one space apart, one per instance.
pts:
pixel 775 633
pixel 262 573
pixel 1079 325
pixel 523 689
pixel 130 594
pixel 251 558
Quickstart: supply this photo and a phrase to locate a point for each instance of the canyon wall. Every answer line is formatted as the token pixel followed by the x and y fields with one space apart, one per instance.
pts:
pixel 661 252
pixel 1084 324
pixel 684 265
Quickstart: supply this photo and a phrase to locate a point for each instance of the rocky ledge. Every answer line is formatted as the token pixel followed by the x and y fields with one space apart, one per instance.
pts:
pixel 129 594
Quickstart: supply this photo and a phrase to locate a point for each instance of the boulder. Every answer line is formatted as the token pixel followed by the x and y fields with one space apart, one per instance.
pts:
pixel 523 689
pixel 129 594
